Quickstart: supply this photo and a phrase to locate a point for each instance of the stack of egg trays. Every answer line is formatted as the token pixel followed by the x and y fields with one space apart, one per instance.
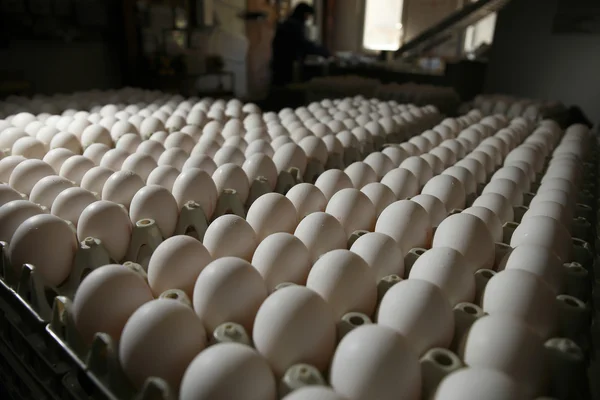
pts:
pixel 38 360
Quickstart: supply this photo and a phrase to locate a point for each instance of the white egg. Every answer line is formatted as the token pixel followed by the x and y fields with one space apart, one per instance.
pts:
pixel 407 223
pixel 212 298
pixel 403 307
pixel 225 362
pixel 448 270
pixel 281 316
pixel 365 363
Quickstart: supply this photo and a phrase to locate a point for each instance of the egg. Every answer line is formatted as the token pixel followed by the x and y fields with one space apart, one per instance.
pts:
pixel 288 156
pixel 420 312
pixel 447 156
pixel 321 232
pixel 380 195
pixel 468 235
pixel 554 195
pixel 230 235
pixel 95 178
pixel 212 298
pixel 232 176
pixel 380 163
pixel 156 203
pixel 407 223
pixel 473 383
pixel 95 152
pixel 151 324
pixel 381 253
pixel 164 176
pixel 13 214
pixel 539 261
pixel 7 166
pixel 258 165
pixel 506 188
pixel 29 147
pixel 396 154
pixel 448 270
pixel 45 134
pixel 114 159
pixel 546 232
pixel 366 364
pixel 531 300
pixel 491 220
pixel 8 194
pixel 173 157
pixel 10 135
pixel 141 164
pixel 281 316
pixel 434 207
pixel 498 204
pixel 96 134
pixel 121 128
pixel 402 182
pixel 448 189
pixel 46 189
pixel 210 374
pixel 229 154
pixel 484 159
pixel 526 154
pixel 150 147
pixel 272 213
pixel 75 167
pixel 313 392
pixel 282 258
pixel 66 140
pixel 196 185
pixel 551 209
pixel 53 243
pixel 345 281
pixel 108 222
pixel 27 173
pixel 332 181
pixel 70 203
pixel 420 169
pixel 423 144
pixel 306 198
pixel 121 186
pixel 505 344
pixel 361 174
pixel 466 178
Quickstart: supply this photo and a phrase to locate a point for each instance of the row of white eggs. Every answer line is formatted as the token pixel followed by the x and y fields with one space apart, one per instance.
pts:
pixel 197 387
pixel 515 107
pixel 249 302
pixel 37 180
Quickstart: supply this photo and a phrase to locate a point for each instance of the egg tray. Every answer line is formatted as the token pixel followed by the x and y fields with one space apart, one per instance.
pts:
pixel 41 357
pixel 45 355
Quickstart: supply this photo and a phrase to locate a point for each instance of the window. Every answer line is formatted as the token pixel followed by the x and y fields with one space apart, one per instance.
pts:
pixel 480 33
pixel 383 25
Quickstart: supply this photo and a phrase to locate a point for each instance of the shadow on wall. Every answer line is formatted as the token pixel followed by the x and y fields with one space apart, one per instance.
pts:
pixel 52 67
pixel 529 60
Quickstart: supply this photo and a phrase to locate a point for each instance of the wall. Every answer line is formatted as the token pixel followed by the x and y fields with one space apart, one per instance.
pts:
pixel 528 60
pixel 422 14
pixel 63 67
pixel 346 32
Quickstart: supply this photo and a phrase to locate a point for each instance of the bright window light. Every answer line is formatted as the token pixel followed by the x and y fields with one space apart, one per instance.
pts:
pixel 383 25
pixel 480 33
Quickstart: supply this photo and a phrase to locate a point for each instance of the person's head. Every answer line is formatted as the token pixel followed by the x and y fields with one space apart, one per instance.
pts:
pixel 303 11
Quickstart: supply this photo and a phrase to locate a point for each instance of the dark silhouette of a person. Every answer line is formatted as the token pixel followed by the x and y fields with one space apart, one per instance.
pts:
pixel 291 45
